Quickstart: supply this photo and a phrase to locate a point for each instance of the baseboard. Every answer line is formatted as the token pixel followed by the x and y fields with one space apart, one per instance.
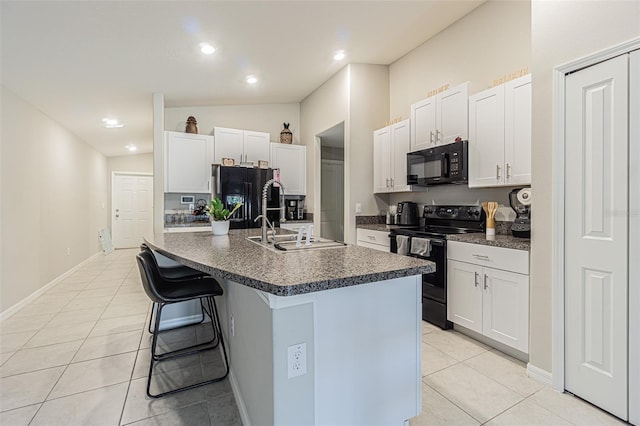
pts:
pixel 182 321
pixel 21 304
pixel 242 408
pixel 539 375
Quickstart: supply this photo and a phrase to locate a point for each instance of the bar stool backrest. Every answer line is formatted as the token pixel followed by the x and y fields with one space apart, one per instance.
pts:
pixel 150 275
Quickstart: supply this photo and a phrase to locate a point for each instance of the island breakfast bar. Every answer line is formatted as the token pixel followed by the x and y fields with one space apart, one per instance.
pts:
pixel 351 316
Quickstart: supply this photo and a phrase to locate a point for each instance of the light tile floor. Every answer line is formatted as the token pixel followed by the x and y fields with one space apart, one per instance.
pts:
pixel 467 383
pixel 79 355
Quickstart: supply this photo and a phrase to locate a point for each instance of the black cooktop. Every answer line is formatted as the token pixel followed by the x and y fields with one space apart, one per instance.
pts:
pixel 446 220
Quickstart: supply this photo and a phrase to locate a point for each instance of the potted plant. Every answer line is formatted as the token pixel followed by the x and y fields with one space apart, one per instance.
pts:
pixel 220 216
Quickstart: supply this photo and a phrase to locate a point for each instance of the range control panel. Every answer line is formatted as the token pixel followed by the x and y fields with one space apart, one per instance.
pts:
pixel 473 213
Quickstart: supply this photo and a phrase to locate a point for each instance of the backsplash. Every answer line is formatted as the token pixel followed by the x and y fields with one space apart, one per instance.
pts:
pixel 172 200
pixel 370 220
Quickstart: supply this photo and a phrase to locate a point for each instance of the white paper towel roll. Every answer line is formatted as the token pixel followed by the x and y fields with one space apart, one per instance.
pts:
pixel 524 196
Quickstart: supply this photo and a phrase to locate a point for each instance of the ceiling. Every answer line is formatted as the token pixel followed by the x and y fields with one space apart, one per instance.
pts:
pixel 82 61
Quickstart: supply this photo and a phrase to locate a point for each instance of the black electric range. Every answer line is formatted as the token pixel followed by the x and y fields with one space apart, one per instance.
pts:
pixel 429 242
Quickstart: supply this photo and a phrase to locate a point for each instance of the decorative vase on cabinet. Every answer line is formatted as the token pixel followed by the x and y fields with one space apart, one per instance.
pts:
pixel 285 135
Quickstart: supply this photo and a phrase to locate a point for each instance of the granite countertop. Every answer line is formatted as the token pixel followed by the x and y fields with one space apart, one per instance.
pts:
pixel 504 241
pixel 381 227
pixel 188 225
pixel 235 258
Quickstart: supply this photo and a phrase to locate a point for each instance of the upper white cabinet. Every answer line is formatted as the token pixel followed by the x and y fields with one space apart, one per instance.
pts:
pixel 390 147
pixel 500 135
pixel 188 159
pixel 488 292
pixel 440 119
pixel 292 162
pixel 241 145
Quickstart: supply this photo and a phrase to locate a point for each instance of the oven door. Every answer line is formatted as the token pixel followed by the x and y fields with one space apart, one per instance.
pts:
pixel 427 167
pixel 434 284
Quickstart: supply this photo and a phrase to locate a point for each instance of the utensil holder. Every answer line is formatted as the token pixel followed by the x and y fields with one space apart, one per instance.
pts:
pixel 491 229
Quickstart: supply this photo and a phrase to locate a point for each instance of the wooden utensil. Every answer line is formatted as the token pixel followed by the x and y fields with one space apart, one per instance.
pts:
pixel 490 209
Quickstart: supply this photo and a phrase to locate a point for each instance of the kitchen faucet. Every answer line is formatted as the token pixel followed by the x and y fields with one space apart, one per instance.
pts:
pixel 265 221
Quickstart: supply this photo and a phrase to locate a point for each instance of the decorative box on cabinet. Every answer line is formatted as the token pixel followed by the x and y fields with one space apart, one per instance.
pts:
pixel 378 240
pixel 488 292
pixel 292 162
pixel 500 135
pixel 440 119
pixel 241 145
pixel 188 159
pixel 390 147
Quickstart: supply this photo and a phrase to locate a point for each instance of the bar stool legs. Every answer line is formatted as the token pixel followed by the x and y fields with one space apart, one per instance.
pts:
pixel 209 306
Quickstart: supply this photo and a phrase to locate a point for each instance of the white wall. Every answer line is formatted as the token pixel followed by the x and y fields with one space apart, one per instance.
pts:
pixel 139 163
pixel 493 40
pixel 260 118
pixel 368 111
pixel 324 108
pixel 560 32
pixel 54 198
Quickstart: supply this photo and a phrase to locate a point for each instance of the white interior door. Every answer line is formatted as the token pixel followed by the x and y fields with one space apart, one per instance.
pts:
pixel 132 204
pixel 596 235
pixel 332 200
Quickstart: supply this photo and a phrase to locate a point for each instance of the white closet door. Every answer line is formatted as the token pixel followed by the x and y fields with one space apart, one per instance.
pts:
pixel 634 242
pixel 596 235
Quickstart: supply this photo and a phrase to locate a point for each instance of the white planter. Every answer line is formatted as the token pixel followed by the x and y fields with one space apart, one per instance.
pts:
pixel 220 227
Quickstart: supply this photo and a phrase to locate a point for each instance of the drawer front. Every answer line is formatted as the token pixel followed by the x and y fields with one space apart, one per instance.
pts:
pixel 374 237
pixel 493 257
pixel 373 246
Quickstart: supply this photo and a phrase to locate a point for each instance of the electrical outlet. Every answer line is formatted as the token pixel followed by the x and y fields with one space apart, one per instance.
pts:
pixel 68 251
pixel 297 360
pixel 232 325
pixel 358 208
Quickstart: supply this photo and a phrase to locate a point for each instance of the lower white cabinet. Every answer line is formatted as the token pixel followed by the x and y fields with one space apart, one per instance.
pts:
pixel 484 296
pixel 378 240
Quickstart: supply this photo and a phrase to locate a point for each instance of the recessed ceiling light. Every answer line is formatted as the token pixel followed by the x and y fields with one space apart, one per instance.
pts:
pixel 252 79
pixel 131 147
pixel 339 55
pixel 111 123
pixel 207 49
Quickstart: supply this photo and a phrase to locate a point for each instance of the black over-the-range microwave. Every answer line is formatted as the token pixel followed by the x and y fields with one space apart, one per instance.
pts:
pixel 441 164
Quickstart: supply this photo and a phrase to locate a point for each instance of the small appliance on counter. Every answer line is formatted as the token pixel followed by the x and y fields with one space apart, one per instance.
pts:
pixel 407 213
pixel 295 208
pixel 520 200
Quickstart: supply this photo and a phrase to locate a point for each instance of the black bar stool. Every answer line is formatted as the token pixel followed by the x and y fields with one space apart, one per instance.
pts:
pixel 172 270
pixel 165 292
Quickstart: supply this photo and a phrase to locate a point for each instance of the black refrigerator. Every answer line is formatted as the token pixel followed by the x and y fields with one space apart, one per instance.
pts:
pixel 235 184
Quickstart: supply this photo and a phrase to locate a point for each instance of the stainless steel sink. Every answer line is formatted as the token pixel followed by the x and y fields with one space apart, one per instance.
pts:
pixel 288 242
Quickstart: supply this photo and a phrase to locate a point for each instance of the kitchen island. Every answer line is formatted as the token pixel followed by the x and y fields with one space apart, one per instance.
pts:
pixel 356 313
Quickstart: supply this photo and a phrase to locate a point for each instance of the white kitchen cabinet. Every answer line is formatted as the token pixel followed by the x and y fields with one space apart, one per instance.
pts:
pixel 188 159
pixel 390 147
pixel 241 145
pixel 488 292
pixel 378 240
pixel 500 135
pixel 440 119
pixel 292 162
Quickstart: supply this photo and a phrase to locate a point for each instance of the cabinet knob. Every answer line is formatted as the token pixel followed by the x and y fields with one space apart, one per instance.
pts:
pixel 431 137
pixel 508 171
pixel 437 135
pixel 486 281
pixel 497 171
pixel 477 281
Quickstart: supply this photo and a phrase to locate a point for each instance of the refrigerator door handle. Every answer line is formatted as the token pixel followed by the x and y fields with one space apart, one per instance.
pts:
pixel 250 208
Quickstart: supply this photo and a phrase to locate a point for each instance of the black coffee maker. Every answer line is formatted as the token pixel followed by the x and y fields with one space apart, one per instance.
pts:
pixel 520 200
